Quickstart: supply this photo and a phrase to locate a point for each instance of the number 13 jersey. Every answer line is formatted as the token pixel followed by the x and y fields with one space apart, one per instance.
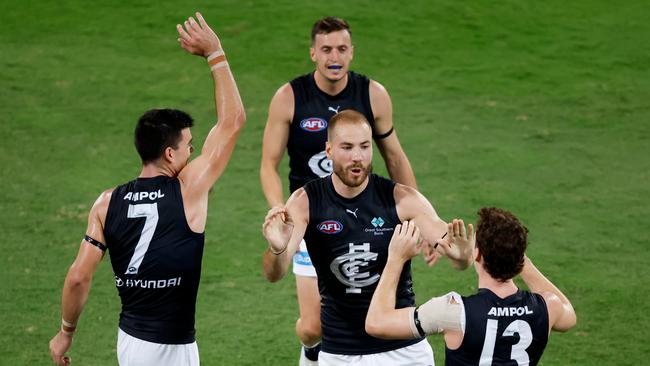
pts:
pixel 156 259
pixel 512 331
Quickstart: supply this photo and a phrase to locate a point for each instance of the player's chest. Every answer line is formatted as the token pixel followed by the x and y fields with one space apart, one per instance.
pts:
pixel 346 228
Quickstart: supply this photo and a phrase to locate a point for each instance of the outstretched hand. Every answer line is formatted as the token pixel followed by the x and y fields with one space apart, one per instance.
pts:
pixel 198 38
pixel 277 228
pixel 459 242
pixel 405 243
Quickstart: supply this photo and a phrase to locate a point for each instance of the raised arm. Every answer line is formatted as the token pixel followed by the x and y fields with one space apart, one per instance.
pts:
pixel 562 316
pixel 77 282
pixel 412 205
pixel 284 228
pixel 276 134
pixel 198 177
pixel 397 163
pixel 383 320
pixel 439 314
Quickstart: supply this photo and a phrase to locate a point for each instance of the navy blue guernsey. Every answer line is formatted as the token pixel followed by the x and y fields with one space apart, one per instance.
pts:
pixel 308 129
pixel 347 240
pixel 502 332
pixel 156 258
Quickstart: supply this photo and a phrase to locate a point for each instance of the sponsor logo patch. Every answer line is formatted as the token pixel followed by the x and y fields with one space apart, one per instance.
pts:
pixel 313 124
pixel 330 227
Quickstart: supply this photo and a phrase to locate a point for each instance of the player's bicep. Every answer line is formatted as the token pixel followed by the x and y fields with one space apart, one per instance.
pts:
pixel 93 244
pixel 396 324
pixel 276 131
pixel 440 314
pixel 412 205
pixel 382 110
pixel 201 174
pixel 561 316
pixel 298 209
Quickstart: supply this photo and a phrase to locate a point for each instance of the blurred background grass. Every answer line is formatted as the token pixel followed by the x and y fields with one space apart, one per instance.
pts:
pixel 537 107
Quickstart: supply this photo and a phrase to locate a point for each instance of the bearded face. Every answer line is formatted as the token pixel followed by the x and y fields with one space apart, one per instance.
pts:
pixel 354 174
pixel 350 149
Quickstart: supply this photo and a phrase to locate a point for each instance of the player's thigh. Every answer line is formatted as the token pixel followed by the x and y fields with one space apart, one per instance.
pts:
pixel 308 299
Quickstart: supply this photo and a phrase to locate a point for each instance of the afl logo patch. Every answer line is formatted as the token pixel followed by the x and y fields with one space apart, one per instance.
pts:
pixel 330 227
pixel 313 124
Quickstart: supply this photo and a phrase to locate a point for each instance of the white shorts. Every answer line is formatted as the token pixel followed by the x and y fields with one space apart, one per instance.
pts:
pixel 419 354
pixel 302 263
pixel 132 351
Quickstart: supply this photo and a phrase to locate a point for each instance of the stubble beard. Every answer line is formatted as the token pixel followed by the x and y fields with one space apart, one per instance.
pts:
pixel 348 179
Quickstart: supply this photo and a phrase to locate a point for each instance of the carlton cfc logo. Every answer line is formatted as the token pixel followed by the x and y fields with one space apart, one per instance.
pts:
pixel 313 124
pixel 330 227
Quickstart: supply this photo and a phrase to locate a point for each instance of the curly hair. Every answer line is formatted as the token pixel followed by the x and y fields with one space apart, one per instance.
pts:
pixel 502 240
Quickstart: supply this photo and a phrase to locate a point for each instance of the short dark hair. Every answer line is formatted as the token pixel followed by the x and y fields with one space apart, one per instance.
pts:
pixel 502 240
pixel 159 129
pixel 349 116
pixel 328 25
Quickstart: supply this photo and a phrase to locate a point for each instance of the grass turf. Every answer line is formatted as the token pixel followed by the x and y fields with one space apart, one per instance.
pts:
pixel 540 108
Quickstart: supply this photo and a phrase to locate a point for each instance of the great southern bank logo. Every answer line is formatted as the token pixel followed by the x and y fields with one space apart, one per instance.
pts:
pixel 330 227
pixel 378 228
pixel 313 124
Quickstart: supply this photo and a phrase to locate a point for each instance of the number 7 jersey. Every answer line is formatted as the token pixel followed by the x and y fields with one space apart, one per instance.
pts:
pixel 156 259
pixel 512 331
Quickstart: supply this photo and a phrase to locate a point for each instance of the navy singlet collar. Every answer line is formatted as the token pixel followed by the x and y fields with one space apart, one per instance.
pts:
pixel 355 198
pixel 312 81
pixel 496 297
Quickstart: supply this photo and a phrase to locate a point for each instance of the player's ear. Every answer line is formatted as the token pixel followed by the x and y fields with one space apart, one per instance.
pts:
pixel 328 149
pixel 312 53
pixel 351 52
pixel 477 254
pixel 168 154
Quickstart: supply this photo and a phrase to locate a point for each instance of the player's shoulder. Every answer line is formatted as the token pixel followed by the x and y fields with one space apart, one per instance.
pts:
pixel 553 302
pixel 104 198
pixel 100 207
pixel 284 92
pixel 379 97
pixel 298 202
pixel 402 191
pixel 282 103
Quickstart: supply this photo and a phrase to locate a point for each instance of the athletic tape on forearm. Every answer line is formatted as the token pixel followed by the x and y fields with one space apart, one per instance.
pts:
pixel 440 313
pixel 216 60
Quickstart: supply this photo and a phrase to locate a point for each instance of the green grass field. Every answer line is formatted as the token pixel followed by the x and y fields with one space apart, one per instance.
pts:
pixel 538 107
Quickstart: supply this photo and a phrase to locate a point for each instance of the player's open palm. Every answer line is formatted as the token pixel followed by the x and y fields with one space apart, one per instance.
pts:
pixel 459 242
pixel 198 38
pixel 277 228
pixel 405 243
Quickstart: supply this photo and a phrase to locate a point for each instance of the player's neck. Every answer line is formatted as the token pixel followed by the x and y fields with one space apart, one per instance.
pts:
pixel 328 86
pixel 154 170
pixel 501 289
pixel 345 190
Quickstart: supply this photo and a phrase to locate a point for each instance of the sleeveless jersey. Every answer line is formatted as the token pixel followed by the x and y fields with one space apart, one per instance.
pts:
pixel 308 130
pixel 156 258
pixel 511 331
pixel 347 240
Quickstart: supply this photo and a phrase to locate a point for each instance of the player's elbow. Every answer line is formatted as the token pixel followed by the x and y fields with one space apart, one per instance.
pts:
pixel 271 272
pixel 77 278
pixel 237 119
pixel 272 276
pixel 376 325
